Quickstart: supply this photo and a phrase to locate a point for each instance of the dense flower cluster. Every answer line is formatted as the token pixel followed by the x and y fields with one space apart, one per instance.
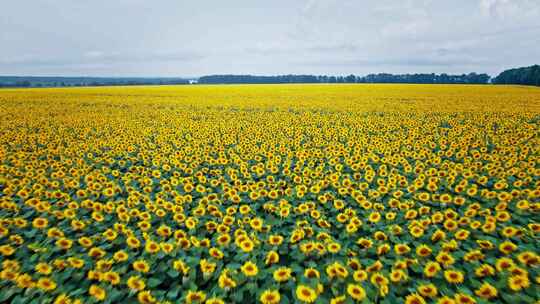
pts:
pixel 270 194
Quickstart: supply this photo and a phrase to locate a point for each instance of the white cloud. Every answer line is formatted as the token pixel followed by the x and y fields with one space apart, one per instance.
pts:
pixel 93 54
pixel 510 9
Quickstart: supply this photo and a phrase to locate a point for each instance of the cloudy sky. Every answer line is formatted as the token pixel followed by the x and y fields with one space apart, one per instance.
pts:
pixel 198 37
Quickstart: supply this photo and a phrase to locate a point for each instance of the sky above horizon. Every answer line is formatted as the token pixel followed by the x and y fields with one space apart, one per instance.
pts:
pixel 194 38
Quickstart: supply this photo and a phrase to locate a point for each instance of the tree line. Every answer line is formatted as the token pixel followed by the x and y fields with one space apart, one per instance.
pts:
pixel 524 76
pixel 471 78
pixel 37 82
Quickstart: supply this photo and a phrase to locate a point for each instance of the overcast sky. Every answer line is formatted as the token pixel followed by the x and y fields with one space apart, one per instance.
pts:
pixel 198 37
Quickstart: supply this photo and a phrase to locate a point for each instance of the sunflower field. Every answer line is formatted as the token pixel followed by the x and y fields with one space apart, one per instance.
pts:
pixel 270 194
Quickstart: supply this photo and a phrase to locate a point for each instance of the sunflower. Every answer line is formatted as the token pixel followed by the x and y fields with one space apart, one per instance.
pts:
pixel 11 265
pixel 85 242
pixel 360 275
pixel 75 262
pixel 133 242
pixel 25 281
pixel 517 282
pixel 417 232
pixel 46 284
pixel 306 294
pixel 461 298
pixel 195 297
pixel 152 247
pixel 256 223
pixel 431 269
pixel 206 267
pixel 311 273
pixel 136 283
pixel 145 297
pixel 401 249
pixel 40 223
pixel 423 250
pixel 223 239
pixel 63 299
pixel 527 258
pixel 96 252
pixel 181 266
pixel 225 282
pixel 120 256
pixel 43 268
pixel 111 277
pixel 282 274
pixel 333 247
pixel 534 227
pixel 184 243
pixel 364 243
pixel 247 246
pixel 64 243
pixel 376 266
pixel 414 298
pixel 484 270
pixel 340 270
pixel 249 269
pixel 270 297
pixel 354 264
pixel 214 301
pixel 356 292
pixel 486 291
pixel 8 275
pixel 445 258
pixel 141 266
pixel 338 300
pixel 383 249
pixel 397 275
pixel 474 255
pixel 374 217
pixel 504 263
pixel 275 240
pixel 446 300
pixel 507 247
pixel 216 253
pixel 438 235
pixel 378 279
pixel 97 292
pixel 272 257
pixel 453 276
pixel 94 275
pixel 429 290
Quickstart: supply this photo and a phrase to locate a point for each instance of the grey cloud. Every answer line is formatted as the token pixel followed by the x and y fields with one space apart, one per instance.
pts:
pixel 98 58
pixel 408 61
pixel 271 48
pixel 509 8
pixel 189 38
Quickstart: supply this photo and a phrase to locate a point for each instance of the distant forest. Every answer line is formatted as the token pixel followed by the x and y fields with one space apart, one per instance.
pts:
pixel 37 82
pixel 471 78
pixel 523 76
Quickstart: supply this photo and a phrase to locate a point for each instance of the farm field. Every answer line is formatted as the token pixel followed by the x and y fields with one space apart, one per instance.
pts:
pixel 270 194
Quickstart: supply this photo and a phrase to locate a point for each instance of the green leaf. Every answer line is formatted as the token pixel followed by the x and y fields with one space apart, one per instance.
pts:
pixel 252 287
pixel 153 282
pixel 6 294
pixel 173 293
pixel 173 273
pixel 18 300
pixel 238 297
